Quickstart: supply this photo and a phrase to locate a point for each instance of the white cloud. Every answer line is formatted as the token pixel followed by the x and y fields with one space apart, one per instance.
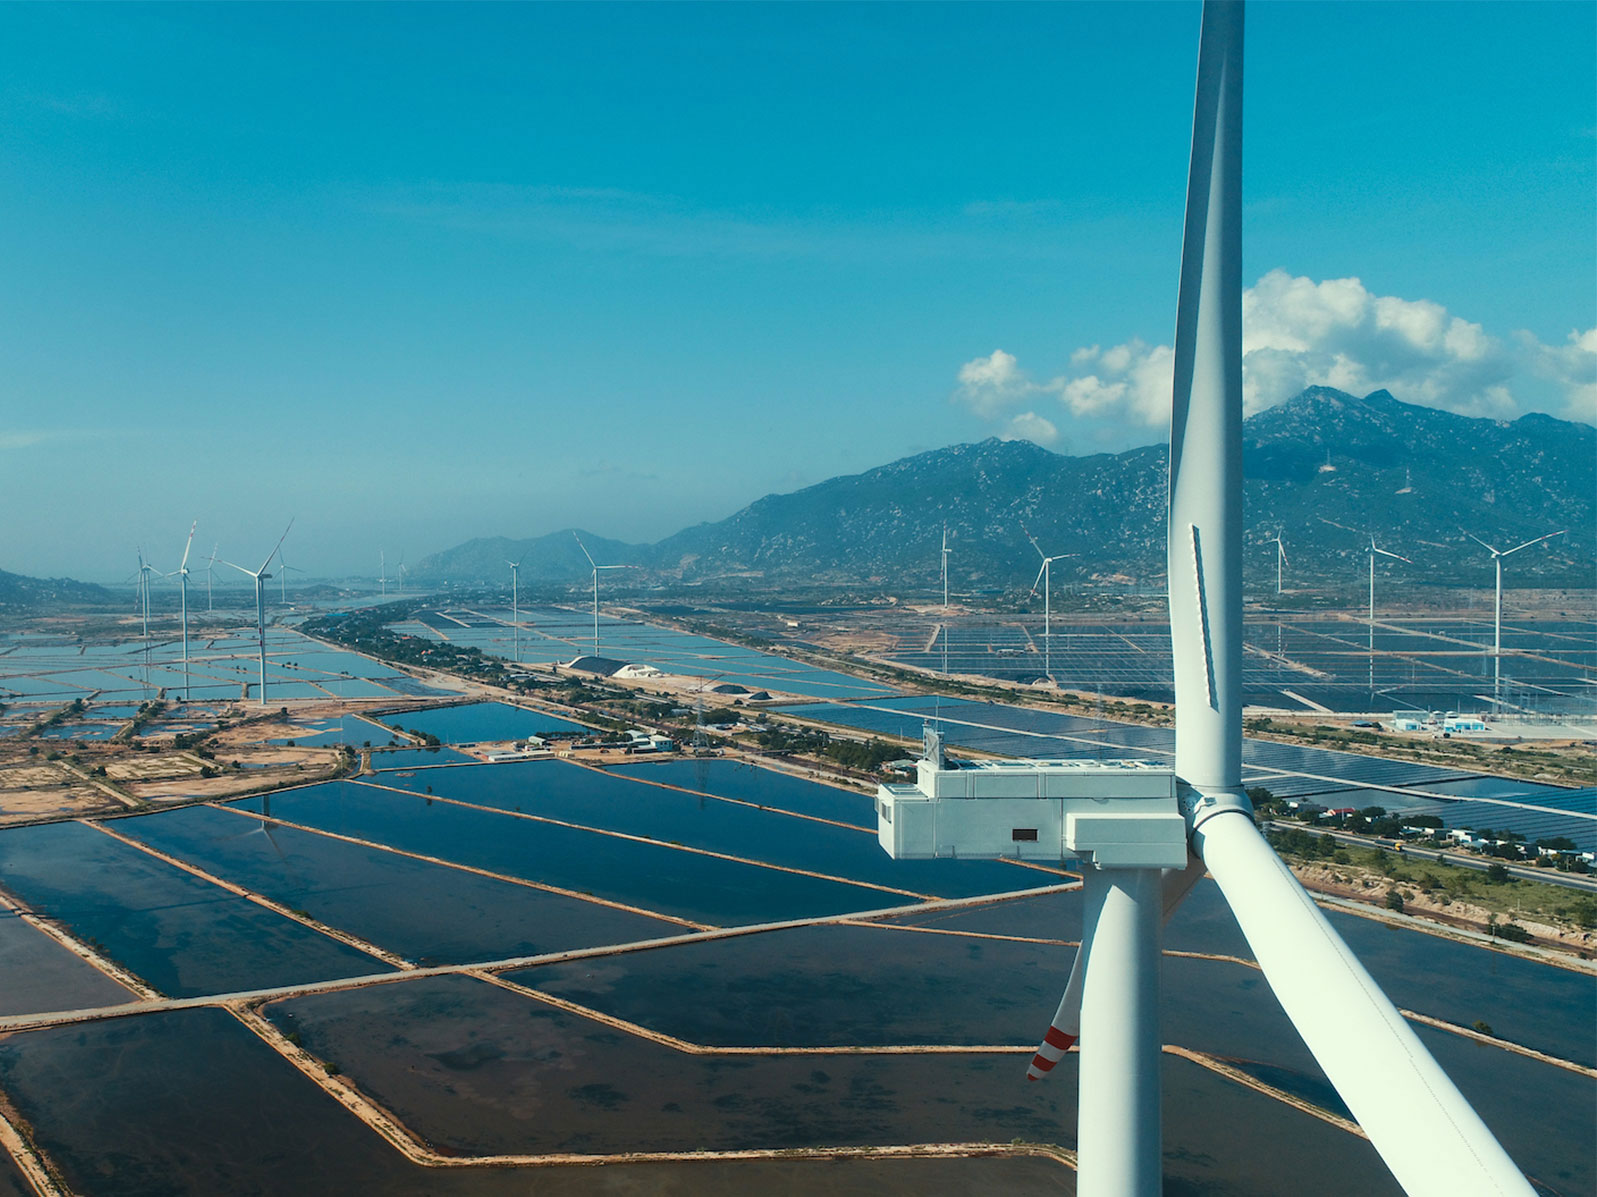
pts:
pixel 1298 333
pixel 1029 426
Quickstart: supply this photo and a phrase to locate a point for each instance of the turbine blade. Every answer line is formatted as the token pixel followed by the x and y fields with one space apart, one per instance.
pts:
pixel 1033 540
pixel 275 547
pixel 1205 526
pixel 1040 570
pixel 1065 1027
pixel 1430 1138
pixel 252 573
pixel 1483 544
pixel 188 546
pixel 584 549
pixel 1538 540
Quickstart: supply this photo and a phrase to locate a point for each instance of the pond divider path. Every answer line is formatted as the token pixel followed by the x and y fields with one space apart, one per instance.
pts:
pixel 643 839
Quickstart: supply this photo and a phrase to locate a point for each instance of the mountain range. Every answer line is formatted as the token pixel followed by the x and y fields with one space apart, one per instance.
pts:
pixel 1324 471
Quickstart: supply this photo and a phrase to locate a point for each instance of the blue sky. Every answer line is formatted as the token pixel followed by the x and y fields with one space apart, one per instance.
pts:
pixel 415 274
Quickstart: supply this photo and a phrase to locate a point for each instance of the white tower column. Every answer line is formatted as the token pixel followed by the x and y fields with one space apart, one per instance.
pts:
pixel 1118 1125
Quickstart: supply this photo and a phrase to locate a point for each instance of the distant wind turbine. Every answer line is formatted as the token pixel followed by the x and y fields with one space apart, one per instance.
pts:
pixel 1280 560
pixel 1497 609
pixel 210 568
pixel 515 599
pixel 1045 576
pixel 282 576
pixel 945 565
pixel 596 568
pixel 260 576
pixel 1395 557
pixel 181 573
pixel 382 571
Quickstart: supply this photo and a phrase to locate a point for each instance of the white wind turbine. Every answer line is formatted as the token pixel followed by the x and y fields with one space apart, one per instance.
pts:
pixel 1045 576
pixel 1497 608
pixel 1424 1130
pixel 401 569
pixel 596 568
pixel 515 599
pixel 1280 560
pixel 382 571
pixel 282 576
pixel 260 576
pixel 945 566
pixel 1395 557
pixel 181 573
pixel 210 568
pixel 145 570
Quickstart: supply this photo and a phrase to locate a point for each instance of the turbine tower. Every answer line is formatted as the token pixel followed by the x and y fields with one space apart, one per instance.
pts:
pixel 1280 560
pixel 1395 557
pixel 260 576
pixel 596 568
pixel 1140 868
pixel 945 565
pixel 1045 576
pixel 1497 608
pixel 182 575
pixel 515 600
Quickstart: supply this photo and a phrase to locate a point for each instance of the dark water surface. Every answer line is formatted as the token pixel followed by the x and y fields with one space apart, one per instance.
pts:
pixel 184 936
pixel 595 798
pixel 37 974
pixel 477 1069
pixel 655 877
pixel 765 787
pixel 826 985
pixel 424 912
pixel 482 721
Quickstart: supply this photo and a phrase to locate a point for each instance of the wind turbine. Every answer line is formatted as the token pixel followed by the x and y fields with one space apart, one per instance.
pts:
pixel 1424 1130
pixel 210 568
pixel 260 576
pixel 1280 560
pixel 382 571
pixel 282 577
pixel 1045 576
pixel 401 567
pixel 945 565
pixel 145 570
pixel 1395 557
pixel 596 568
pixel 515 599
pixel 181 573
pixel 1497 609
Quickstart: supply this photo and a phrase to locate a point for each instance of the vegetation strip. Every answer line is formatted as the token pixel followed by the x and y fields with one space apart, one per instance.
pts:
pixel 466 868
pixel 303 920
pixel 642 839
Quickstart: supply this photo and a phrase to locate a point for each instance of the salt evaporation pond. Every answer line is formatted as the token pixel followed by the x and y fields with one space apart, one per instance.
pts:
pixel 480 722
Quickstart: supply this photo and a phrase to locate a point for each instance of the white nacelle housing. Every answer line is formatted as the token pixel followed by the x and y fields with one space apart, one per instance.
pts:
pixel 1118 814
